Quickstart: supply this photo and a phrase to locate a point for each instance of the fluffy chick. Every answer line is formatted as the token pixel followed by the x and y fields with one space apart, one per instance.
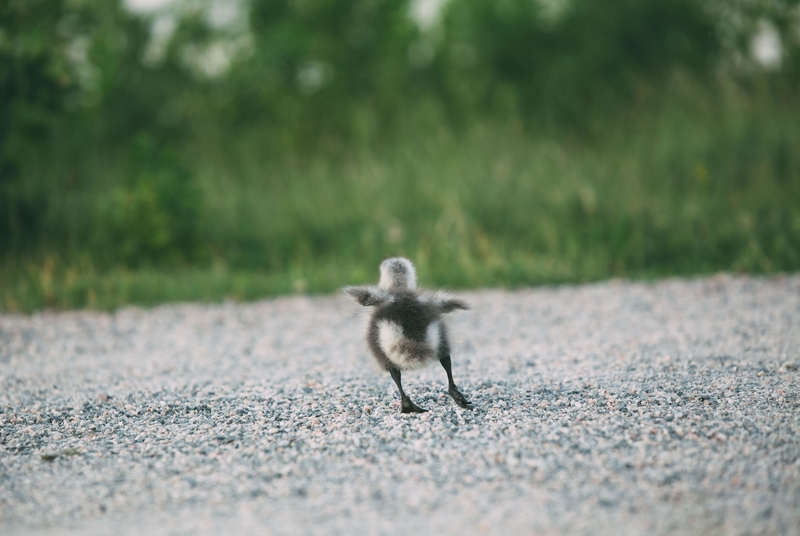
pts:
pixel 406 329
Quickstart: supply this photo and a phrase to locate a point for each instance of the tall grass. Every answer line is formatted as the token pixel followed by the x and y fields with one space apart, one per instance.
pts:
pixel 693 184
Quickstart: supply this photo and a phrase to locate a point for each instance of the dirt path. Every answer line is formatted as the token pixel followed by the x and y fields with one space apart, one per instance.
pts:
pixel 615 408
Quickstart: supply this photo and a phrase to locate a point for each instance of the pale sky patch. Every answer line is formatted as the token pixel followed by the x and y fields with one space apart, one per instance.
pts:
pixel 146 6
pixel 426 13
pixel 766 45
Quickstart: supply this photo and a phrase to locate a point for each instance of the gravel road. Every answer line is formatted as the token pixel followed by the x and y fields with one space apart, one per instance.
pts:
pixel 615 408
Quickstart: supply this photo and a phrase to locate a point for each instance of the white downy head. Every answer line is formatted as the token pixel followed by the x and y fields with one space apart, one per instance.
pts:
pixel 397 273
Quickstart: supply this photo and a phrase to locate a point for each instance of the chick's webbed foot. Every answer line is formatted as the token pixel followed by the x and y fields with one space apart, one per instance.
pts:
pixel 407 406
pixel 452 389
pixel 459 398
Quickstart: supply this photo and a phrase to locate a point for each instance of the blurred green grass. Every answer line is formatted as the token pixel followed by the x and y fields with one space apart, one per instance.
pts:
pixel 697 183
pixel 504 144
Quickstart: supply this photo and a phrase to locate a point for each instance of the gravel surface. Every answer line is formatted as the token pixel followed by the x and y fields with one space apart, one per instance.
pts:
pixel 613 408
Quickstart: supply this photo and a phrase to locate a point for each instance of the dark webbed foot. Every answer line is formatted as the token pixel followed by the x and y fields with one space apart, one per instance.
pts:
pixel 407 406
pixel 452 389
pixel 459 398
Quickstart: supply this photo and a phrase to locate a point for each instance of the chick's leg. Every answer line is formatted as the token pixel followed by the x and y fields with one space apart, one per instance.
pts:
pixel 451 386
pixel 406 405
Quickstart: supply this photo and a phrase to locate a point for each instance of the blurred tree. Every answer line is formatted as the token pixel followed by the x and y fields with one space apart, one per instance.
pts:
pixel 565 65
pixel 79 80
pixel 154 218
pixel 757 35
pixel 331 68
pixel 73 80
pixel 37 77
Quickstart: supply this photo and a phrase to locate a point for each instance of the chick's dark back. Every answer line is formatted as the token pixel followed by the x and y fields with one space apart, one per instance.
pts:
pixel 410 312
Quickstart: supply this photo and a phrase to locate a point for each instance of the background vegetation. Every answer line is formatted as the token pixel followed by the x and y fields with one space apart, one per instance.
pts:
pixel 212 150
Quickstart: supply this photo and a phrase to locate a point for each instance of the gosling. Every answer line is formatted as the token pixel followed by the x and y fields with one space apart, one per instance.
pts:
pixel 406 328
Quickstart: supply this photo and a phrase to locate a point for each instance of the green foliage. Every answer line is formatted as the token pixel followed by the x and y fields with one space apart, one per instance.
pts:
pixel 563 67
pixel 155 218
pixel 679 192
pixel 35 80
pixel 332 69
pixel 513 142
pixel 68 85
